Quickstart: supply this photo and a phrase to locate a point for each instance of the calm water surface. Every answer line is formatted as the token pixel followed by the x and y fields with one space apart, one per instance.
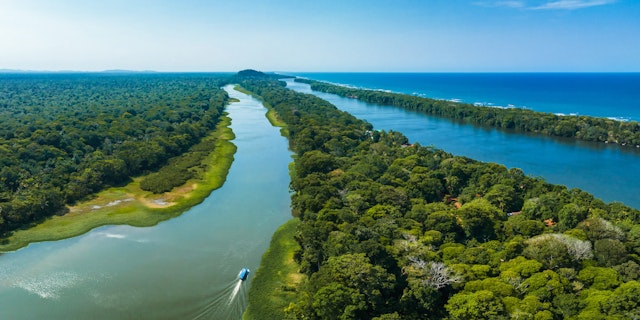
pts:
pixel 606 171
pixel 183 268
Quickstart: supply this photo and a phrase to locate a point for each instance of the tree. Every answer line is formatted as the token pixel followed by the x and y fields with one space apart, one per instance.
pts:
pixel 389 316
pixel 445 222
pixel 393 196
pixel 314 161
pixel 504 197
pixel 426 187
pixel 366 282
pixel 418 300
pixel 336 301
pixel 626 300
pixel 520 225
pixel 598 228
pixel 521 266
pixel 477 305
pixel 545 285
pixel 495 285
pixel 435 274
pixel 570 215
pixel 610 252
pixel 599 278
pixel 557 250
pixel 530 307
pixel 567 305
pixel 628 271
pixel 479 219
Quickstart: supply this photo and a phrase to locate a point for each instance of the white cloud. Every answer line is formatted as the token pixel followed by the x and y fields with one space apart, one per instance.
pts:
pixel 545 5
pixel 572 4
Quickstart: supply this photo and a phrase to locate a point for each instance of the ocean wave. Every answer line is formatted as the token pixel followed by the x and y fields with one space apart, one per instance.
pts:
pixel 480 104
pixel 621 119
pixel 576 114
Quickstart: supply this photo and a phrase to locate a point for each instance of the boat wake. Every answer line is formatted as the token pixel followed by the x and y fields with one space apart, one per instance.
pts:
pixel 236 289
pixel 228 303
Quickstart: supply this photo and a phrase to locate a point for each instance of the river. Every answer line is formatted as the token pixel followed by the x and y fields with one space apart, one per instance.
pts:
pixel 606 171
pixel 184 268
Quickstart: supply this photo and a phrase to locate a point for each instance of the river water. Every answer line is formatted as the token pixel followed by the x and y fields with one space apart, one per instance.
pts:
pixel 184 268
pixel 607 171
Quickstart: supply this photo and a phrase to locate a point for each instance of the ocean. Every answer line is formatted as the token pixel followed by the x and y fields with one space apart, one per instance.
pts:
pixel 608 95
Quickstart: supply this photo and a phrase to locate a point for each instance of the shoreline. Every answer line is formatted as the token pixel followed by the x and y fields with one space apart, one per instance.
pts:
pixel 277 281
pixel 271 114
pixel 129 205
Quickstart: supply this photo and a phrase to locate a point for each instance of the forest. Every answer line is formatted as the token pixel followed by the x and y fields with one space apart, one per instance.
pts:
pixel 65 137
pixel 388 229
pixel 394 230
pixel 624 133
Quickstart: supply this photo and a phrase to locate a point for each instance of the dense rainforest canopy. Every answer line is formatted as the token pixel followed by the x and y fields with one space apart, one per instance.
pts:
pixel 66 136
pixel 625 133
pixel 391 230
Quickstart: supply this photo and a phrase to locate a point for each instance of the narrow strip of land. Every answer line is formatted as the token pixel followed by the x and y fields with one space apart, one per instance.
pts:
pixel 133 206
pixel 585 128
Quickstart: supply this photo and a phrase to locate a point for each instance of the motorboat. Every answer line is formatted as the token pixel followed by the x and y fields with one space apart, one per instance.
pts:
pixel 244 273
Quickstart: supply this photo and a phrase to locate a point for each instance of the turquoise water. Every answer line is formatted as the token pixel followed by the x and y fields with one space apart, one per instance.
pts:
pixel 611 95
pixel 184 268
pixel 606 171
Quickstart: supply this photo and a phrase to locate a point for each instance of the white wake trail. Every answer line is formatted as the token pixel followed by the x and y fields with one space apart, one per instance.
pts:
pixel 236 289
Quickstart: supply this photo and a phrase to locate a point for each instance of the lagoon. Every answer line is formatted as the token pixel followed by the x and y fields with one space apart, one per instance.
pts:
pixel 607 171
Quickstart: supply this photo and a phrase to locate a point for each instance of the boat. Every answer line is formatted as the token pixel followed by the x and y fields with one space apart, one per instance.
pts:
pixel 244 273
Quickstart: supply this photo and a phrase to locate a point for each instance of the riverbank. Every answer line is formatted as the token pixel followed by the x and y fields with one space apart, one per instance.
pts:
pixel 271 115
pixel 277 281
pixel 130 205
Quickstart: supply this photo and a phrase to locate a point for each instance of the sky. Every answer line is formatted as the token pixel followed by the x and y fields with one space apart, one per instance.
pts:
pixel 321 35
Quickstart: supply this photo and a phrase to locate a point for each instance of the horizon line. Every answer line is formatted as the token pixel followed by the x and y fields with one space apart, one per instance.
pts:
pixel 8 70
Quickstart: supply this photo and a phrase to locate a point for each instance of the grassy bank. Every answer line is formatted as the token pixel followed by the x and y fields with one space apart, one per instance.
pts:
pixel 271 115
pixel 133 206
pixel 277 280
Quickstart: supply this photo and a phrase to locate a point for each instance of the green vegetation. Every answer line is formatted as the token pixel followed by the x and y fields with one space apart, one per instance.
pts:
pixel 180 169
pixel 272 115
pixel 131 205
pixel 79 151
pixel 522 120
pixel 390 230
pixel 385 229
pixel 277 280
pixel 65 137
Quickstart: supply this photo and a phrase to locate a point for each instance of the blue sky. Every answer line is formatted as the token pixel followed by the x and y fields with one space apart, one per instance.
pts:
pixel 322 35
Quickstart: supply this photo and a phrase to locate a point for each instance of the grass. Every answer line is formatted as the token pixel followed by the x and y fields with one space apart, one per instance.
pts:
pixel 277 280
pixel 271 115
pixel 247 92
pixel 133 206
